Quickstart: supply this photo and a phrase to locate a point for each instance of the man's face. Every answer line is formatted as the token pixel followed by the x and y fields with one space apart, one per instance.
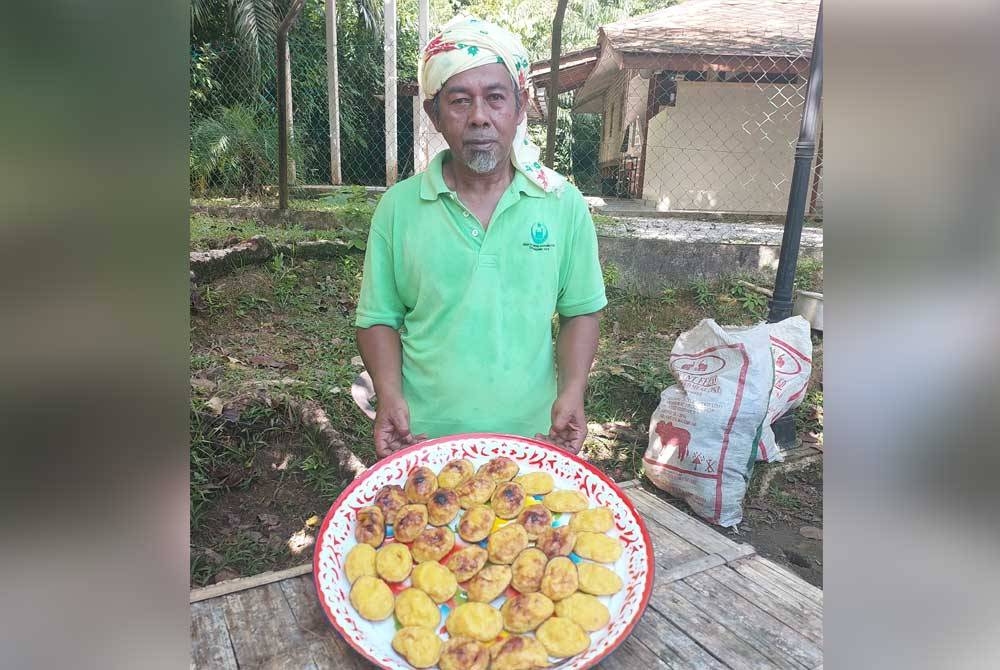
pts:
pixel 478 114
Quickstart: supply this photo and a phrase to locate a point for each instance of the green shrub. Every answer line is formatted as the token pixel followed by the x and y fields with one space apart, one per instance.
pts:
pixel 235 152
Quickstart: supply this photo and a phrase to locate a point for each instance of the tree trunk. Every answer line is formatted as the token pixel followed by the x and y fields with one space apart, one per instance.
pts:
pixel 284 100
pixel 552 90
pixel 288 109
pixel 333 90
pixel 391 166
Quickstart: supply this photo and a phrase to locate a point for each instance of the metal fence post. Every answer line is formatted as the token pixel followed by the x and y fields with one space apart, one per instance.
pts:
pixel 781 303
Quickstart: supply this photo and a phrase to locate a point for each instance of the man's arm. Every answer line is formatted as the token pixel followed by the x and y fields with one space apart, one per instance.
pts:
pixel 382 353
pixel 575 350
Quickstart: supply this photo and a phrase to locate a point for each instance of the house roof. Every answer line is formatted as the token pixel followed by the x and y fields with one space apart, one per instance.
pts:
pixel 720 27
pixel 704 35
pixel 574 68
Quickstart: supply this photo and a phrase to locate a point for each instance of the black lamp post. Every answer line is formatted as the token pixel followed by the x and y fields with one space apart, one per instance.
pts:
pixel 780 306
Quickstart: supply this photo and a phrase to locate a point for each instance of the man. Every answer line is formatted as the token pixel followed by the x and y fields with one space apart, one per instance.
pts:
pixel 468 261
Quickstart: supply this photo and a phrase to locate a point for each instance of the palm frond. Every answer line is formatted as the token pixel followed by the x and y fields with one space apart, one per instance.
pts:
pixel 255 24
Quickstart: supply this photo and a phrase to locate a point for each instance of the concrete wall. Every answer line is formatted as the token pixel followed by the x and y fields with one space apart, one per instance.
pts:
pixel 624 102
pixel 646 264
pixel 725 146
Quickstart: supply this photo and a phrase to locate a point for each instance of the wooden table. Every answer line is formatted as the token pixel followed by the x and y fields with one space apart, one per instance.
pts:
pixel 715 604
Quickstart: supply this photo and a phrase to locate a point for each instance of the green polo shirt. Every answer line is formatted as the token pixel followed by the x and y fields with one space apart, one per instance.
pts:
pixel 474 308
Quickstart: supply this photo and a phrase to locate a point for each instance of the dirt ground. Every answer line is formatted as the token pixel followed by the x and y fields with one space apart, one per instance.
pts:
pixel 786 523
pixel 260 482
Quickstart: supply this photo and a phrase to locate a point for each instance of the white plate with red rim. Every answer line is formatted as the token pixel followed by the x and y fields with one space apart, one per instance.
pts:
pixel 373 640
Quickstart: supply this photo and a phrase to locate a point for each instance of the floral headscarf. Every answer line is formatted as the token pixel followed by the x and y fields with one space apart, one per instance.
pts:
pixel 466 43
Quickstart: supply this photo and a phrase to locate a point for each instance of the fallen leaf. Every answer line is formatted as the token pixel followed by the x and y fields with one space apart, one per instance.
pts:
pixel 337 341
pixel 269 520
pixel 215 404
pixel 234 361
pixel 203 384
pixel 357 362
pixel 312 521
pixel 266 361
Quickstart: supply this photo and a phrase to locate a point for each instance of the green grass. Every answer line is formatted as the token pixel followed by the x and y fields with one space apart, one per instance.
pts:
pixel 809 275
pixel 301 312
pixel 786 501
pixel 208 232
pixel 603 222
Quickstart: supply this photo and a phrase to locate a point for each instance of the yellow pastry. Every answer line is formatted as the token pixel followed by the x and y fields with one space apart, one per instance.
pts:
pixel 421 647
pixel 596 520
pixel 476 620
pixel 393 562
pixel 598 580
pixel 562 637
pixel 526 612
pixel 360 562
pixel 560 579
pixel 435 580
pixel 565 501
pixel 372 598
pixel 586 610
pixel 415 608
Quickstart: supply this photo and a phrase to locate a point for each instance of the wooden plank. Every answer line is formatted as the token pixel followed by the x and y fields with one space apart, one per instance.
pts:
pixel 806 620
pixel 628 484
pixel 751 569
pixel 262 628
pixel 244 583
pixel 731 650
pixel 669 548
pixel 210 644
pixel 671 644
pixel 690 529
pixel 328 648
pixel 689 568
pixel 780 576
pixel 785 646
pixel 632 654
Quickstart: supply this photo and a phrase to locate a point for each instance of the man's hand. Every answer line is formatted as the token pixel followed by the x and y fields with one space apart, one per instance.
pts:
pixel 569 426
pixel 392 426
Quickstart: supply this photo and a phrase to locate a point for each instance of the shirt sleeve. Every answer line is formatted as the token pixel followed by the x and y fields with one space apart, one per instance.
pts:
pixel 379 303
pixel 581 282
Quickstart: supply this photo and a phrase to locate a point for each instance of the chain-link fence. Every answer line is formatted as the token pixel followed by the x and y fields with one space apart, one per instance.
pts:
pixel 695 107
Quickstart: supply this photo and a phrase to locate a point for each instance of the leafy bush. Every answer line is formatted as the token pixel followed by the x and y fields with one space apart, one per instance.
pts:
pixel 235 151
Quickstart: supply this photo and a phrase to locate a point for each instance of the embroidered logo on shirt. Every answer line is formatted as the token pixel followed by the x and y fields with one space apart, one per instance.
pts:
pixel 538 233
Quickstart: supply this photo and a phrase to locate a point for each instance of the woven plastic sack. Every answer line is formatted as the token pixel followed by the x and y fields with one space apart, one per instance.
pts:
pixel 791 355
pixel 702 436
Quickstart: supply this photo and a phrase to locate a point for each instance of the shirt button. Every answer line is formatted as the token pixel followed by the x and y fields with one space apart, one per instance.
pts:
pixel 475 233
pixel 465 214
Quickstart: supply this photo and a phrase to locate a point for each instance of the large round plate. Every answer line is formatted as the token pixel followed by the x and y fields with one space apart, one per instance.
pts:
pixel 336 538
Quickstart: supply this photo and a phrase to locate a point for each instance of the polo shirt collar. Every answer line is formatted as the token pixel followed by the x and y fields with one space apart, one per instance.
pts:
pixel 432 184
